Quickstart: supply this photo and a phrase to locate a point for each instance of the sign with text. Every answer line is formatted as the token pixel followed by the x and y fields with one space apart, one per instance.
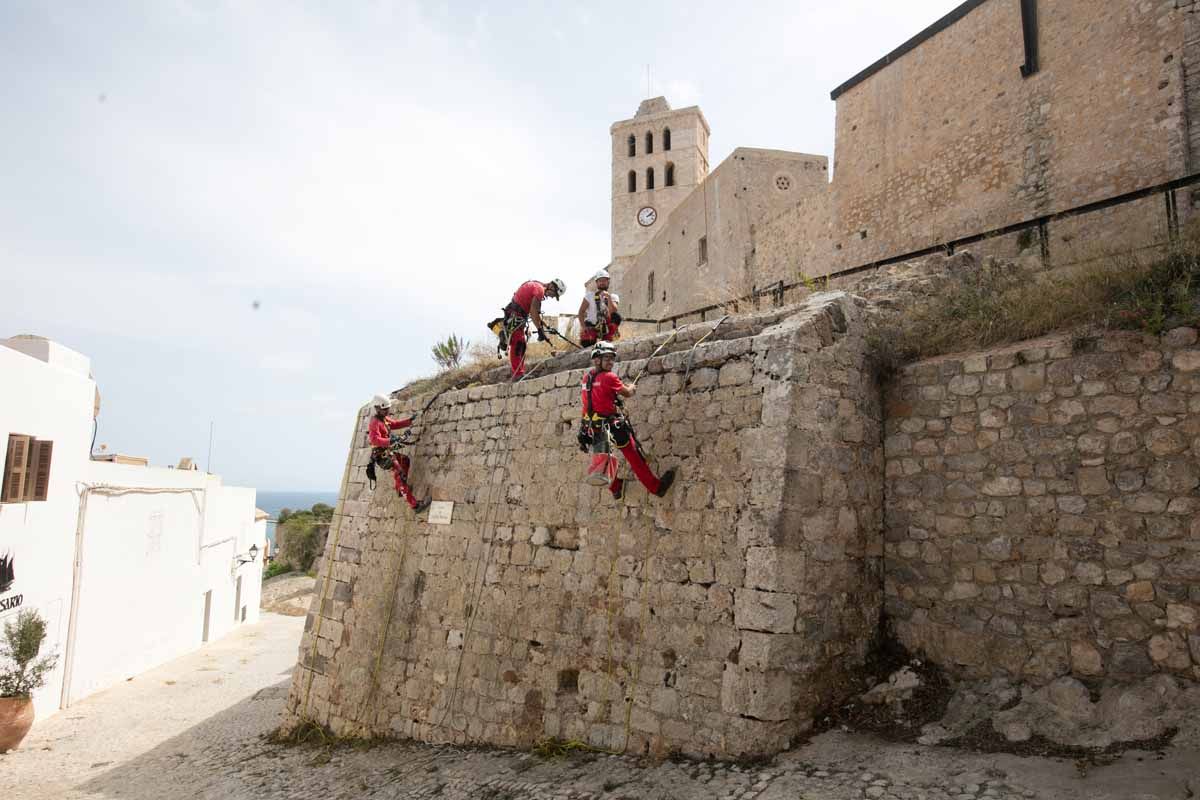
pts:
pixel 441 512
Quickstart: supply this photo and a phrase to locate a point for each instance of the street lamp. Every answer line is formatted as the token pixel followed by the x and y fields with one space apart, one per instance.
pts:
pixel 253 553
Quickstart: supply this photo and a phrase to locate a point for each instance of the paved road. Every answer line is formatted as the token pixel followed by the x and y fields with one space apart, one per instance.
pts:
pixel 193 729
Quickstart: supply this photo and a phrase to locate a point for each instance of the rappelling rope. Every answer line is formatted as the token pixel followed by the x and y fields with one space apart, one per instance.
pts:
pixel 637 654
pixel 386 627
pixel 476 579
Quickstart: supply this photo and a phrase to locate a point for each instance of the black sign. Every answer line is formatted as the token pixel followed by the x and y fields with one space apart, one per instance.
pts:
pixel 7 575
pixel 9 603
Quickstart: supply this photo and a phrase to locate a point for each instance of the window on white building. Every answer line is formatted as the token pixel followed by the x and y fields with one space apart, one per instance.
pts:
pixel 26 469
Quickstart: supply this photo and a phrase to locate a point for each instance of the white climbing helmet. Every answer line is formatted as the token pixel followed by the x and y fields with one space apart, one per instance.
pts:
pixel 603 349
pixel 381 401
pixel 559 287
pixel 602 275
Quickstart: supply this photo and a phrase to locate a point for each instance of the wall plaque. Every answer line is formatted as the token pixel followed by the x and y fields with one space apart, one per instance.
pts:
pixel 441 512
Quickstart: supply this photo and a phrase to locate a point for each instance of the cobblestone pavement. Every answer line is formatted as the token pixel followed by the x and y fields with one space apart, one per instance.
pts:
pixel 193 729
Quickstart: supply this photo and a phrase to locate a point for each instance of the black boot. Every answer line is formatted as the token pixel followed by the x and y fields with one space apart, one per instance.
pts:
pixel 421 506
pixel 664 483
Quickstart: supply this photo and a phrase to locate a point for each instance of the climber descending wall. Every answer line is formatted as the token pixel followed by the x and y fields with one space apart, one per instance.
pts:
pixel 712 622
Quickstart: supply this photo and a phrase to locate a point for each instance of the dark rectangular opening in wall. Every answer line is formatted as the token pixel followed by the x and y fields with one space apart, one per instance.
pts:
pixel 1029 31
pixel 650 289
pixel 703 254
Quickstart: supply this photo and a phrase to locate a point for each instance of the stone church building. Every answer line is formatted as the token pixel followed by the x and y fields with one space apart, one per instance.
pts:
pixel 1001 112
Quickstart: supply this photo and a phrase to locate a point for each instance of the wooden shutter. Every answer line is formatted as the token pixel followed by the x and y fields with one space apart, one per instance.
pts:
pixel 37 485
pixel 16 469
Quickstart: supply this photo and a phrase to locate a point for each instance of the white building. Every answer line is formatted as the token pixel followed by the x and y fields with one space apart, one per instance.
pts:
pixel 130 566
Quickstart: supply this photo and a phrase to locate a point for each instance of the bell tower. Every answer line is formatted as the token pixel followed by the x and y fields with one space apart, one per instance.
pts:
pixel 658 157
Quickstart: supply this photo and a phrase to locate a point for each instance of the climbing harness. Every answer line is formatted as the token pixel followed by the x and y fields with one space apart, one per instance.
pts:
pixel 514 318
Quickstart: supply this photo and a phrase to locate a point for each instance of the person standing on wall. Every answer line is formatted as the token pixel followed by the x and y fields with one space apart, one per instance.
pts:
pixel 385 450
pixel 605 425
pixel 526 305
pixel 598 317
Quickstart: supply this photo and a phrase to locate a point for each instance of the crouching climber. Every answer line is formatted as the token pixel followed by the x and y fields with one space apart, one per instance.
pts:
pixel 385 450
pixel 526 305
pixel 604 425
pixel 598 316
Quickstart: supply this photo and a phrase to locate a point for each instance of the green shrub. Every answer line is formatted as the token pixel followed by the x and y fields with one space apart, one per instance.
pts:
pixel 449 353
pixel 277 567
pixel 23 639
pixel 300 535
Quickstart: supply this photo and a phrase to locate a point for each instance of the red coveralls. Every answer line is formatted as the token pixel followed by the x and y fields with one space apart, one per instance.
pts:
pixel 377 433
pixel 605 387
pixel 523 298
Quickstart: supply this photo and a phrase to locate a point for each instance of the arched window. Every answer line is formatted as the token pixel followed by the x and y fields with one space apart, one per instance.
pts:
pixel 669 178
pixel 632 181
pixel 650 178
pixel 649 142
pixel 666 139
pixel 632 145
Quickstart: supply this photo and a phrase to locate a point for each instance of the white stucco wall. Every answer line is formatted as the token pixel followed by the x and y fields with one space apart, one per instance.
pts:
pixel 152 542
pixel 54 403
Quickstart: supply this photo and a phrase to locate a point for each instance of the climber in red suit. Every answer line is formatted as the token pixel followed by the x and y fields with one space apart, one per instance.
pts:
pixel 526 305
pixel 604 421
pixel 385 454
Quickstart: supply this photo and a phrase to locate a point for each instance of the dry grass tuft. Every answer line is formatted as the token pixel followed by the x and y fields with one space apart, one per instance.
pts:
pixel 999 303
pixel 310 733
pixel 552 747
pixel 480 358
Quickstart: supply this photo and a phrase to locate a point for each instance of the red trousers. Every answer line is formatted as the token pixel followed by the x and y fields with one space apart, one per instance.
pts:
pixel 591 334
pixel 607 463
pixel 400 465
pixel 516 352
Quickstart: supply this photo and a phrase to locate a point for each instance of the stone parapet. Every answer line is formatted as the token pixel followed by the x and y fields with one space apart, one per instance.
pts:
pixel 713 622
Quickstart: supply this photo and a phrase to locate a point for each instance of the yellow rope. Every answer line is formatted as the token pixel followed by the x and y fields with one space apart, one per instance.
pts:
pixel 384 634
pixel 332 556
pixel 476 578
pixel 637 657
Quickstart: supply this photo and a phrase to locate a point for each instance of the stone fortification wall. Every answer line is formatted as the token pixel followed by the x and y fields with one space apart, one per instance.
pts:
pixel 1043 509
pixel 711 622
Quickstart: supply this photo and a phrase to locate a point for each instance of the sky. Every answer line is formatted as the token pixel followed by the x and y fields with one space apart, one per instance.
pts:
pixel 373 175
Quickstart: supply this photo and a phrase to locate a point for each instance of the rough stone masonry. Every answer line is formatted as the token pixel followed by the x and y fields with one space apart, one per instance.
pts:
pixel 1043 511
pixel 711 622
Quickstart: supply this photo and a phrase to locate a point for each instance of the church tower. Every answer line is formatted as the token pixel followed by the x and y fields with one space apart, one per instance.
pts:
pixel 658 158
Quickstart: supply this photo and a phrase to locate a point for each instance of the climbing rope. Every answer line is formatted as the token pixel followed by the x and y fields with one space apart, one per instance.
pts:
pixel 478 580
pixel 384 633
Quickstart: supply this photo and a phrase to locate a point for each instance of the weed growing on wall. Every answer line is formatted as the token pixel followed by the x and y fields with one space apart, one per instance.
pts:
pixel 996 303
